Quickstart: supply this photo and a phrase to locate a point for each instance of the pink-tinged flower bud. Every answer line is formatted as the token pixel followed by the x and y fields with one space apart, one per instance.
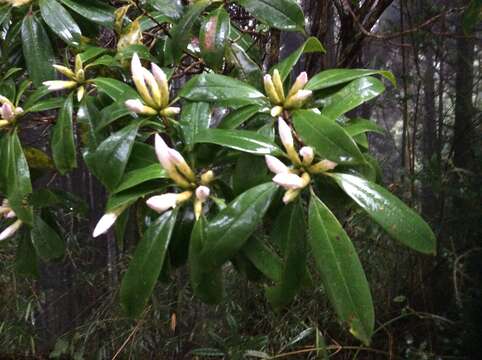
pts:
pixel 161 79
pixel 299 83
pixel 57 85
pixel 178 160
pixel 298 99
pixel 308 154
pixel 322 166
pixel 162 152
pixel 106 222
pixel 11 230
pixel 64 70
pixel 289 181
pixel 285 133
pixel 278 85
pixel 161 203
pixel 7 112
pixel 136 106
pixel 276 111
pixel 10 215
pixel 202 193
pixel 275 165
pixel 271 90
pixel 4 100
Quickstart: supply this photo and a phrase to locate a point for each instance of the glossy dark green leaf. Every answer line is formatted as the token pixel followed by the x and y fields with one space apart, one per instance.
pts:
pixel 250 170
pixel 115 89
pixel 26 261
pixel 15 175
pixel 359 126
pixel 64 151
pixel 142 155
pixel 146 264
pixel 238 117
pixel 229 230
pixel 263 258
pixel 280 14
pixel 294 259
pixel 181 33
pixel 245 68
pixel 109 160
pixel 195 117
pixel 396 218
pixel 129 196
pixel 333 77
pixel 351 96
pixel 96 11
pixel 90 53
pixel 46 241
pixel 341 271
pixel 139 176
pixel 181 237
pixel 311 45
pixel 37 51
pixel 206 281
pixel 4 13
pixel 111 114
pixel 47 104
pixel 328 138
pixel 169 8
pixel 242 140
pixel 60 21
pixel 221 90
pixel 213 37
pixel 87 117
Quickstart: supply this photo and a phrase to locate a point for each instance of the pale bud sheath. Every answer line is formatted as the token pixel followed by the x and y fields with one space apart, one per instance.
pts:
pixel 275 165
pixel 271 90
pixel 10 230
pixel 170 111
pixel 291 195
pixel 64 70
pixel 139 81
pixel 298 99
pixel 276 111
pixel 207 177
pixel 153 87
pixel 7 112
pixel 308 154
pixel 56 85
pixel 289 181
pixel 136 106
pixel 161 80
pixel 178 160
pixel 323 165
pixel 278 84
pixel 202 193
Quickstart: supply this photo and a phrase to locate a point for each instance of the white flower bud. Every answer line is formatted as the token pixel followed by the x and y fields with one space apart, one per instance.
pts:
pixel 56 85
pixel 285 133
pixel 323 165
pixel 289 181
pixel 308 154
pixel 291 195
pixel 271 90
pixel 276 111
pixel 162 152
pixel 11 230
pixel 275 165
pixel 7 112
pixel 202 193
pixel 161 79
pixel 153 87
pixel 299 83
pixel 136 106
pixel 298 99
pixel 139 81
pixel 105 223
pixel 170 111
pixel 178 160
pixel 161 203
pixel 10 215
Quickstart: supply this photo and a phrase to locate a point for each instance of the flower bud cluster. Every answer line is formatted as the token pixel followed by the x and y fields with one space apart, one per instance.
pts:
pixel 297 177
pixel 296 97
pixel 153 89
pixel 7 213
pixel 8 112
pixel 76 79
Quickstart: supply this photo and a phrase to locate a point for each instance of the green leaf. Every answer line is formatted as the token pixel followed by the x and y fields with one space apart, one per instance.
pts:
pixel 195 117
pixel 46 241
pixel 47 104
pixel 310 46
pixel 396 218
pixel 181 33
pixel 139 176
pixel 213 37
pixel 26 262
pixel 263 258
pixel 242 140
pixel 60 21
pixel 37 51
pixel 87 116
pixel 169 8
pixel 115 89
pixel 351 96
pixel 146 264
pixel 229 230
pixel 359 126
pixel 109 160
pixel 4 13
pixel 294 263
pixel 328 138
pixel 15 176
pixel 128 197
pixel 341 271
pixel 64 151
pixel 245 68
pixel 221 90
pixel 238 117
pixel 280 14
pixel 472 16
pixel 110 114
pixel 333 77
pixel 250 170
pixel 207 283
pixel 95 11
